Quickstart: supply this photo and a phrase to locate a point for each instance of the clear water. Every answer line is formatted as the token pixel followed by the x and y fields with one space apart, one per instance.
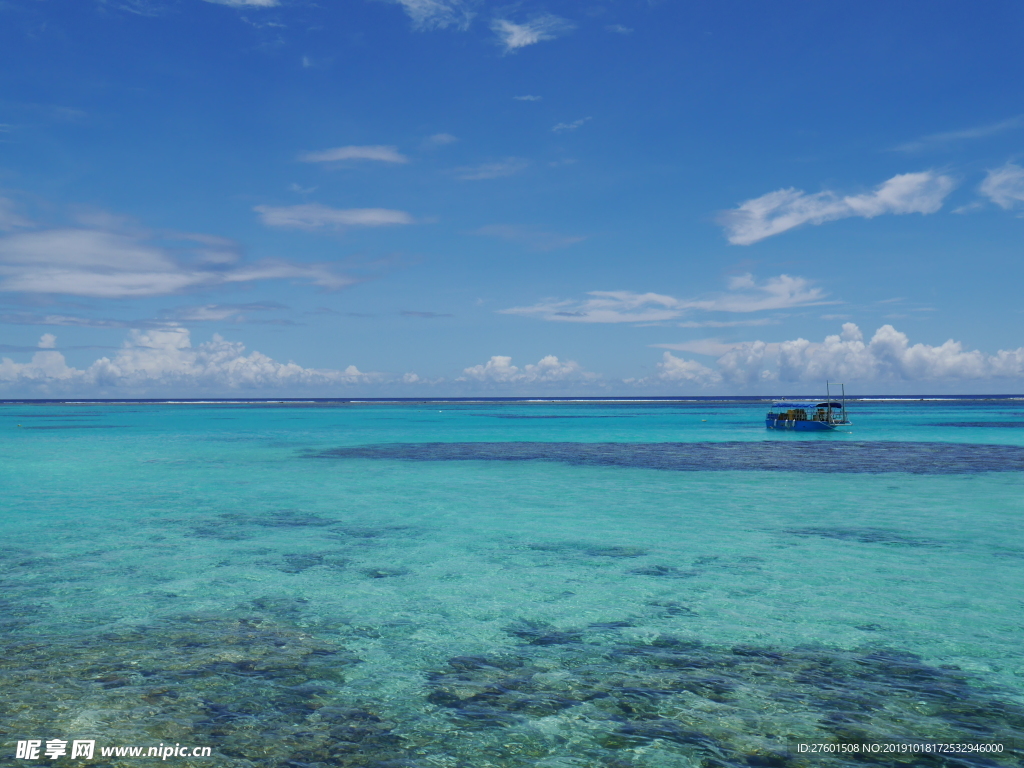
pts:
pixel 236 576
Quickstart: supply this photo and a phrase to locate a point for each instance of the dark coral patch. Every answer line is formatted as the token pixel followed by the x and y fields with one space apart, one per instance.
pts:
pixel 693 704
pixel 765 456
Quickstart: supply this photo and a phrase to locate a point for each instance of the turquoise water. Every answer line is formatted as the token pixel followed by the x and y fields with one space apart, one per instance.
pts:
pixel 324 584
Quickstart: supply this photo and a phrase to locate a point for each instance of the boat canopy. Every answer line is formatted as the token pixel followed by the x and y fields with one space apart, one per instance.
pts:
pixel 807 404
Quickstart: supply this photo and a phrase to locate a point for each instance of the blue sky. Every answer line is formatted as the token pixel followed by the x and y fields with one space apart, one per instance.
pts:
pixel 430 197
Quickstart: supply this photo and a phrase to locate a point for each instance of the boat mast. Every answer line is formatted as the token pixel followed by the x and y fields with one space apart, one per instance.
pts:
pixel 844 403
pixel 828 401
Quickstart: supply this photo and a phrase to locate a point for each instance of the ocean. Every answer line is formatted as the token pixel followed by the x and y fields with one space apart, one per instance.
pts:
pixel 467 584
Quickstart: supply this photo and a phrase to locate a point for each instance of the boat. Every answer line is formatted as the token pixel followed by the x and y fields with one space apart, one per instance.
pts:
pixel 808 415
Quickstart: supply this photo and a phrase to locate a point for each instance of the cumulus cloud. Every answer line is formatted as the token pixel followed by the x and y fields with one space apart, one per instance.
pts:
pixel 745 294
pixel 438 14
pixel 514 36
pixel 784 209
pixel 532 238
pixel 507 167
pixel 131 263
pixel 567 127
pixel 315 215
pixel 549 369
pixel 384 154
pixel 890 355
pixel 677 369
pixel 166 360
pixel 1004 186
pixel 887 357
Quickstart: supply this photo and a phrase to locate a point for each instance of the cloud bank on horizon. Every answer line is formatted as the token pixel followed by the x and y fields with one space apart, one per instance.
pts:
pixel 164 360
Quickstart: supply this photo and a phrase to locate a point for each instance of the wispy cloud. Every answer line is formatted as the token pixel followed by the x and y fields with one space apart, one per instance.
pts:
pixel 566 127
pixel 10 219
pixel 221 312
pixel 439 140
pixel 425 315
pixel 315 215
pixel 744 295
pixel 712 347
pixel 528 97
pixel 943 140
pixel 385 154
pixel 247 3
pixel 1004 186
pixel 532 238
pixel 728 323
pixel 514 36
pixel 66 321
pixel 111 263
pixel 496 170
pixel 438 14
pixel 779 211
pixel 618 28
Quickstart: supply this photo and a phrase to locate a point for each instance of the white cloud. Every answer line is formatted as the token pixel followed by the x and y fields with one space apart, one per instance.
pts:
pixel 940 140
pixel 33 318
pixel 112 264
pixel 677 369
pixel 47 341
pixel 888 357
pixel 567 127
pixel 439 140
pixel 619 29
pixel 784 209
pixel 499 370
pixel 744 295
pixel 438 14
pixel 727 323
pixel 385 154
pixel 166 360
pixel 1004 186
pixel 515 36
pixel 527 97
pixel 711 347
pixel 246 3
pixel 507 167
pixel 532 238
pixel 220 312
pixel 313 215
pixel 739 363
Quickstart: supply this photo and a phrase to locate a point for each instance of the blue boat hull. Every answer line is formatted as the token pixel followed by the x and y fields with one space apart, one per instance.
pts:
pixel 799 426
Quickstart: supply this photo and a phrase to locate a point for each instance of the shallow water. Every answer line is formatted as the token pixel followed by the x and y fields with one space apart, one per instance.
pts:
pixel 511 584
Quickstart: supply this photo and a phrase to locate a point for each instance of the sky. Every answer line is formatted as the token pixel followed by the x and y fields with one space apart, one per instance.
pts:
pixel 416 198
